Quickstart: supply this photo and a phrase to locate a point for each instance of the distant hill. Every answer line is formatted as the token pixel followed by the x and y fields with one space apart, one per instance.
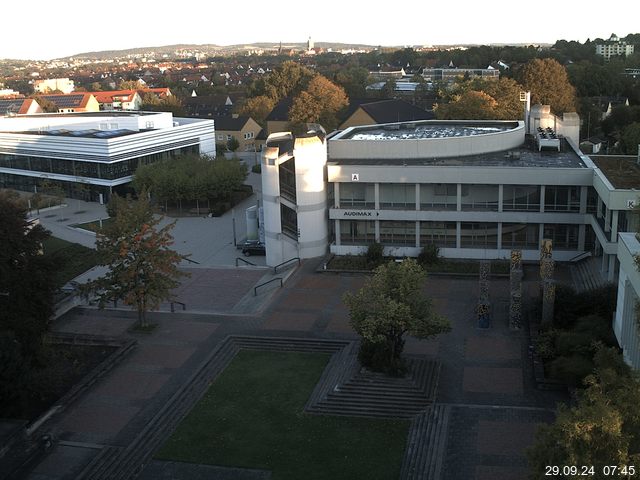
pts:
pixel 213 49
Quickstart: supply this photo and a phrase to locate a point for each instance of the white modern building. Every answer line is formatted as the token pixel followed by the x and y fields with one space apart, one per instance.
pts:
pixel 48 85
pixel 614 47
pixel 100 150
pixel 625 325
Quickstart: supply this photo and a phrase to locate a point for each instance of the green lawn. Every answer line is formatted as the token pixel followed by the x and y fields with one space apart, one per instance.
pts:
pixel 95 225
pixel 252 417
pixel 71 259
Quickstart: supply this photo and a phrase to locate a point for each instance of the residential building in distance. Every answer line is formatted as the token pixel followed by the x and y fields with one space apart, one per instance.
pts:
pixel 368 112
pixel 452 74
pixel 614 47
pixel 19 106
pixel 242 128
pixel 74 102
pixel 278 118
pixel 99 151
pixel 119 100
pixel 49 85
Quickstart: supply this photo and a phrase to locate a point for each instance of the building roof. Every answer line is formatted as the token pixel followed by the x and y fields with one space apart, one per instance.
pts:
pixel 394 110
pixel 18 106
pixel 622 171
pixel 71 100
pixel 280 112
pixel 109 96
pixel 230 123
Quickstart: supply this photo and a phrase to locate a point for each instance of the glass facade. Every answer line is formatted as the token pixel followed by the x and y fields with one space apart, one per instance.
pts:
pixel 480 197
pixel 520 235
pixel 357 232
pixel 287 174
pixel 479 235
pixel 521 198
pixel 438 196
pixel 361 195
pixel 289 221
pixel 398 196
pixel 562 199
pixel 442 234
pixel 397 233
pixel 564 237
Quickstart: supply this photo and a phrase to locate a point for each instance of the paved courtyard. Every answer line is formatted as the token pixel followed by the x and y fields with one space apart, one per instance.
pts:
pixel 485 377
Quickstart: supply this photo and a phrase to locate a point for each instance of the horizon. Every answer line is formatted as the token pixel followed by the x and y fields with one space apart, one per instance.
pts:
pixel 498 23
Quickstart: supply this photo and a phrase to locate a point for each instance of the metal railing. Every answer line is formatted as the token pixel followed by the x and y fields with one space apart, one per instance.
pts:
pixel 580 256
pixel 255 289
pixel 245 261
pixel 184 305
pixel 275 269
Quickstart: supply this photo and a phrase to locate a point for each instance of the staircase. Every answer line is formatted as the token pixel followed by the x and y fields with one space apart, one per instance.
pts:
pixel 586 274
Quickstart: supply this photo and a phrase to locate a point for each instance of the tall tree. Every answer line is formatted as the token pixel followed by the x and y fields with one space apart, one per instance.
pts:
pixel 549 84
pixel 142 268
pixel 601 430
pixel 390 304
pixel 319 103
pixel 26 280
pixel 258 108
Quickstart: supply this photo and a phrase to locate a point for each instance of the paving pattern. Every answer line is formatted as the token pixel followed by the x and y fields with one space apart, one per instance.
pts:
pixel 485 408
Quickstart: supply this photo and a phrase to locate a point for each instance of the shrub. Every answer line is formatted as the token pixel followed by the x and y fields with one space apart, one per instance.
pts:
pixel 375 253
pixel 570 306
pixel 571 370
pixel 375 357
pixel 257 168
pixel 429 255
pixel 570 343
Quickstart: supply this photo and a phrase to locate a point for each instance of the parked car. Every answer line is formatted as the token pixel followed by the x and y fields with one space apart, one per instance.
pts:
pixel 253 247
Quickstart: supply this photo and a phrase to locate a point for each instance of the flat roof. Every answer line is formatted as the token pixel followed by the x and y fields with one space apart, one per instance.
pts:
pixel 622 171
pixel 426 129
pixel 101 113
pixel 86 133
pixel 524 156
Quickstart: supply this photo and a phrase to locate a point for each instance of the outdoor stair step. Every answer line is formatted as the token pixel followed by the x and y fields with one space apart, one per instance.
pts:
pixel 350 410
pixel 372 401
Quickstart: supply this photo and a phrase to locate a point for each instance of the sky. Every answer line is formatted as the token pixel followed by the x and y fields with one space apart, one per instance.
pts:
pixel 48 31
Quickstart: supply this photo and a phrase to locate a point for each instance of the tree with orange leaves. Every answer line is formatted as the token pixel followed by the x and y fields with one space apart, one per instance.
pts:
pixel 143 269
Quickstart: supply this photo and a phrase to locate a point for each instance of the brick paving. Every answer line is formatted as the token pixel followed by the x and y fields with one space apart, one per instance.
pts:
pixel 485 376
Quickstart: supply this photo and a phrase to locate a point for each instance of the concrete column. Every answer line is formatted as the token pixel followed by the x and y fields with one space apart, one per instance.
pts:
pixel 582 235
pixel 459 198
pixel 336 194
pixel 377 229
pixel 417 234
pixel 500 200
pixel 417 196
pixel 607 219
pixel 542 192
pixel 337 232
pixel 612 268
pixel 584 191
pixel 376 197
pixel 540 236
pixel 599 208
pixel 614 225
pixel 458 234
pixel 499 235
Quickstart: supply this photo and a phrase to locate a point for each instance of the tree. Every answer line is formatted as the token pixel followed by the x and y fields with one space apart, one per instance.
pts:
pixel 233 144
pixel 549 85
pixel 26 280
pixel 602 429
pixel 130 85
pixel 470 105
pixel 630 138
pixel 388 90
pixel 319 103
pixel 171 103
pixel 142 269
pixel 47 105
pixel 389 305
pixel 258 108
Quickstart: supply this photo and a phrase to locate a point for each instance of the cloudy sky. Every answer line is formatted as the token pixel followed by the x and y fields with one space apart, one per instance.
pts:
pixel 47 30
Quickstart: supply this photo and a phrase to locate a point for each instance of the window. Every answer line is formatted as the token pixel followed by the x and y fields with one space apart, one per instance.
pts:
pixel 479 235
pixel 521 198
pixel 289 222
pixel 480 197
pixel 229 137
pixel 359 195
pixel 520 235
pixel 564 237
pixel 439 196
pixel 220 136
pixel 397 233
pixel 562 199
pixel 357 232
pixel 442 234
pixel 287 176
pixel 398 195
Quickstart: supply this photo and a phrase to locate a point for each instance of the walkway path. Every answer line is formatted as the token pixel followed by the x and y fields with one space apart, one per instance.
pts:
pixel 486 389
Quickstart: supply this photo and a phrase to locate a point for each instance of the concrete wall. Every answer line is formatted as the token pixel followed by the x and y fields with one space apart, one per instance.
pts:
pixel 625 324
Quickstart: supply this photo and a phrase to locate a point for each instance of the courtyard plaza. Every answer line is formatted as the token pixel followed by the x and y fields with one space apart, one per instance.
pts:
pixel 485 383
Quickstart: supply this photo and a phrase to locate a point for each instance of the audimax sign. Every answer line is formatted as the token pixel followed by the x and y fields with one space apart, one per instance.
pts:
pixel 360 213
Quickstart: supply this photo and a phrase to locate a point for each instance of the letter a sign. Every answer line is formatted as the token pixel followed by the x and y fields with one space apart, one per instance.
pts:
pixel 355 177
